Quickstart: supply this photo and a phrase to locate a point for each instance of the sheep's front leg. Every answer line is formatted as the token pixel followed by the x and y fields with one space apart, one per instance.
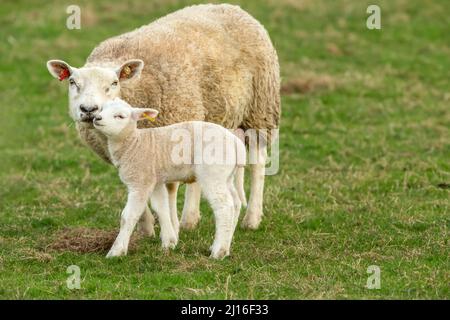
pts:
pixel 160 203
pixel 133 210
pixel 191 210
pixel 147 222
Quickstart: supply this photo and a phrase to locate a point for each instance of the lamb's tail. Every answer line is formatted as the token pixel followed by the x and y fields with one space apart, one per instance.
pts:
pixel 239 183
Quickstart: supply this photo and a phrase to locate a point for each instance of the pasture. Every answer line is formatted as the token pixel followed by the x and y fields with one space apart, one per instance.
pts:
pixel 364 174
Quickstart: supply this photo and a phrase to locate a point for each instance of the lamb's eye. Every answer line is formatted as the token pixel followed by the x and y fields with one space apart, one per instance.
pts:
pixel 119 116
pixel 72 82
pixel 115 83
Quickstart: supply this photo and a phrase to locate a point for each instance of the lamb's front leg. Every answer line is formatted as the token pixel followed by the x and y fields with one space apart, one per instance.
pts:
pixel 160 203
pixel 137 200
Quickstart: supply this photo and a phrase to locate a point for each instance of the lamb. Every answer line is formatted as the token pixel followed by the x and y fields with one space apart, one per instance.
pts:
pixel 147 160
pixel 212 63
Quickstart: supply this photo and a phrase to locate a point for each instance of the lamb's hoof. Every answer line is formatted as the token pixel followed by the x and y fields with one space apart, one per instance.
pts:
pixel 169 243
pixel 219 252
pixel 116 252
pixel 251 221
pixel 189 221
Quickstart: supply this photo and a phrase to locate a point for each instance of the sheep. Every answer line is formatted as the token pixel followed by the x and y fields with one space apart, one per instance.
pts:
pixel 212 63
pixel 147 160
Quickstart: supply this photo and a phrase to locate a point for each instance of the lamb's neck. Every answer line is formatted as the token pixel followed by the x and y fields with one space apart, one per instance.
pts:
pixel 123 146
pixel 131 144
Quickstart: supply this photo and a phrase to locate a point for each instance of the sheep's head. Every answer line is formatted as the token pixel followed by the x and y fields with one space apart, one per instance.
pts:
pixel 91 87
pixel 116 116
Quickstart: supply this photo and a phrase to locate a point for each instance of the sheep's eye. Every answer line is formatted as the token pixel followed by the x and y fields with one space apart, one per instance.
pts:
pixel 115 83
pixel 71 82
pixel 119 116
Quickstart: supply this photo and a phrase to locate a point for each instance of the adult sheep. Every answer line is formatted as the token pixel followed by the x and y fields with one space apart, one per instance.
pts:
pixel 212 63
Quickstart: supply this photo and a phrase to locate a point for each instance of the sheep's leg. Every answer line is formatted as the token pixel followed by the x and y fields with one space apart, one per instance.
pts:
pixel 160 203
pixel 147 222
pixel 221 201
pixel 255 204
pixel 130 215
pixel 191 210
pixel 172 188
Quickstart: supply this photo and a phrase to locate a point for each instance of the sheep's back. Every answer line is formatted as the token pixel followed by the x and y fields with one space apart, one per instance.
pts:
pixel 200 64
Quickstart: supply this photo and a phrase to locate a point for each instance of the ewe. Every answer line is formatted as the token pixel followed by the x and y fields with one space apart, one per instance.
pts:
pixel 148 159
pixel 212 63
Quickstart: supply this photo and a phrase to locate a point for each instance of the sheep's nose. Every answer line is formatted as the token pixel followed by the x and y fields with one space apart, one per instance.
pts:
pixel 89 109
pixel 98 118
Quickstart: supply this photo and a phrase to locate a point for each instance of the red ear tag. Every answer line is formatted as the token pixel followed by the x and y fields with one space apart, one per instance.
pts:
pixel 63 74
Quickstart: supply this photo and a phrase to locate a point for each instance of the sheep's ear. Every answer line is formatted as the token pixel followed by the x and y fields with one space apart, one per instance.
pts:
pixel 144 113
pixel 130 69
pixel 59 69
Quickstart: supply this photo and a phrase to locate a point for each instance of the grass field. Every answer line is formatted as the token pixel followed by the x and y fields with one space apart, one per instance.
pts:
pixel 364 167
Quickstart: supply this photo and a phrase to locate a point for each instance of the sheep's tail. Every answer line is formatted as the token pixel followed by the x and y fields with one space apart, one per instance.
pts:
pixel 239 183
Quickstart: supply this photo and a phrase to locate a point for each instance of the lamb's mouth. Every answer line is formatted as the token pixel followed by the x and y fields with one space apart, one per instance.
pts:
pixel 96 124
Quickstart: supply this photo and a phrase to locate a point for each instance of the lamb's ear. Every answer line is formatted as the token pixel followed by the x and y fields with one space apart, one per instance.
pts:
pixel 144 113
pixel 59 69
pixel 130 69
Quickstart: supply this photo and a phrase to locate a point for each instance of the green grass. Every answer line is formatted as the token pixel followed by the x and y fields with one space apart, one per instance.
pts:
pixel 364 167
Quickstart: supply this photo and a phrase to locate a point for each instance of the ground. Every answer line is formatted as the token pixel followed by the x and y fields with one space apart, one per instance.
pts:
pixel 364 161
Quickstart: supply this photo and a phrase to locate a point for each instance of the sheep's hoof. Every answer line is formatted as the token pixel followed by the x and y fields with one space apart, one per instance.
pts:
pixel 189 221
pixel 146 226
pixel 147 230
pixel 251 221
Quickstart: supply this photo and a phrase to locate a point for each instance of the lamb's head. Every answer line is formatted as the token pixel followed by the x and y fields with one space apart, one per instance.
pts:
pixel 91 87
pixel 117 117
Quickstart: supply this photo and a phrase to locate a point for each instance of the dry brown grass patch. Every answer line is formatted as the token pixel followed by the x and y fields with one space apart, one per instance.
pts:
pixel 32 254
pixel 87 240
pixel 308 84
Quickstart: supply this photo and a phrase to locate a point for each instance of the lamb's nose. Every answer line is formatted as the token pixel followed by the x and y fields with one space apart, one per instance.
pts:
pixel 89 109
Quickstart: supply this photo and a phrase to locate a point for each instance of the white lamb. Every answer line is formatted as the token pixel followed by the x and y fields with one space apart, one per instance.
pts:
pixel 147 159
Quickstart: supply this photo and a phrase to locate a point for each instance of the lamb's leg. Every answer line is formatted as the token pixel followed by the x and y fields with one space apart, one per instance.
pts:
pixel 172 188
pixel 133 210
pixel 191 210
pixel 221 200
pixel 236 200
pixel 160 203
pixel 255 204
pixel 147 222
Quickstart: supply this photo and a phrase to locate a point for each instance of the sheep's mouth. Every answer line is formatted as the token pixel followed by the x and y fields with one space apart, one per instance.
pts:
pixel 87 118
